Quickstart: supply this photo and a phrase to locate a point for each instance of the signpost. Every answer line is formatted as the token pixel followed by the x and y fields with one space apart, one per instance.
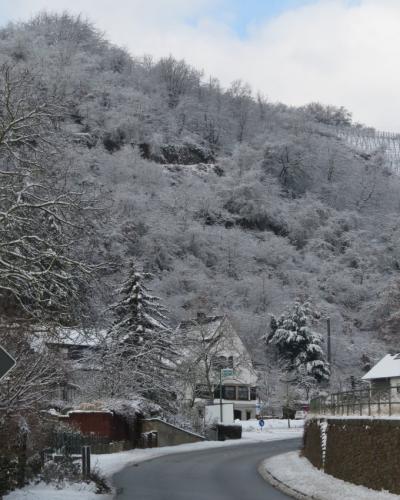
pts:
pixel 7 362
pixel 261 423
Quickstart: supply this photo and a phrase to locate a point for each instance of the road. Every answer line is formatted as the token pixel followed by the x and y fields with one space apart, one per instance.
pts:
pixel 228 473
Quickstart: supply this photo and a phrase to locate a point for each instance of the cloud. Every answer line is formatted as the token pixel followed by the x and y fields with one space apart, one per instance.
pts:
pixel 334 51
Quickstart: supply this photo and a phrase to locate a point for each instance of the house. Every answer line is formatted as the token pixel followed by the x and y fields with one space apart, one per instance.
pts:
pixel 385 374
pixel 212 351
pixel 75 348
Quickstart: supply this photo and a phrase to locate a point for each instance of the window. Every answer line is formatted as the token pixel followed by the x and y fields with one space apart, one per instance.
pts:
pixel 229 392
pixel 253 393
pixel 243 393
pixel 76 352
pixel 220 362
pixel 237 414
pixel 202 391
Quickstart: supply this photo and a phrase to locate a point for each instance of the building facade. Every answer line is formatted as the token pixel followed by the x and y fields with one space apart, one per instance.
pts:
pixel 217 367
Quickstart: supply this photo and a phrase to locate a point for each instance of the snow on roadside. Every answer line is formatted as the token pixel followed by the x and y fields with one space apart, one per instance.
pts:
pixel 72 491
pixel 111 463
pixel 298 473
pixel 270 423
pixel 271 435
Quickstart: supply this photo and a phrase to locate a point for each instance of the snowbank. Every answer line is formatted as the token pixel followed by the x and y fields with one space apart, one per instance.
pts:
pixel 42 491
pixel 253 425
pixel 298 474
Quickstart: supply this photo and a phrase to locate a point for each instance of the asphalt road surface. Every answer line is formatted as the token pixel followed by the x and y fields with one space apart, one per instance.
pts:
pixel 217 474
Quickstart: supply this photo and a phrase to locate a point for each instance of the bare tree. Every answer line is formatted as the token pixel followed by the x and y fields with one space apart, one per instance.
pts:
pixel 178 78
pixel 39 217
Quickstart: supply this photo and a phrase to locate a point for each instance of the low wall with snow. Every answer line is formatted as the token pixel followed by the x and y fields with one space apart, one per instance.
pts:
pixel 364 451
pixel 168 434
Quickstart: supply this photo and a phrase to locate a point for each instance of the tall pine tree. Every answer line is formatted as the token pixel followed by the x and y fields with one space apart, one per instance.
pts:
pixel 299 347
pixel 140 353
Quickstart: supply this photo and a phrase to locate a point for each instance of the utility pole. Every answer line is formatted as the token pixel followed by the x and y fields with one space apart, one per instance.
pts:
pixel 287 402
pixel 328 327
pixel 220 396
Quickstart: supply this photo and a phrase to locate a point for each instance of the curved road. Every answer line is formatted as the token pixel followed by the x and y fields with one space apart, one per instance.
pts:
pixel 227 473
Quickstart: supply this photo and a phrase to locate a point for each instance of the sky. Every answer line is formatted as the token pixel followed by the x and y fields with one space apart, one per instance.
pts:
pixel 339 52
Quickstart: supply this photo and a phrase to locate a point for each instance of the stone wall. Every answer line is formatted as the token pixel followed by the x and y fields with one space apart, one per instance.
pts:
pixel 312 445
pixel 169 435
pixel 363 451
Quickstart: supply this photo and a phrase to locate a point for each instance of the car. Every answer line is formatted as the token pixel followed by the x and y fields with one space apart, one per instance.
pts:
pixel 300 415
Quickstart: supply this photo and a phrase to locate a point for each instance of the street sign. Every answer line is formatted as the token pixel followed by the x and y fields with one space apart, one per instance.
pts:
pixel 226 372
pixel 261 423
pixel 7 362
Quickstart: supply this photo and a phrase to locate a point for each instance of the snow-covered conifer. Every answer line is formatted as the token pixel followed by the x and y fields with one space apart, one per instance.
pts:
pixel 140 316
pixel 139 352
pixel 300 348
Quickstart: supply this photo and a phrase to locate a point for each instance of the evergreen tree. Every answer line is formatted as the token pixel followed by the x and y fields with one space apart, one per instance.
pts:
pixel 141 318
pixel 138 357
pixel 300 348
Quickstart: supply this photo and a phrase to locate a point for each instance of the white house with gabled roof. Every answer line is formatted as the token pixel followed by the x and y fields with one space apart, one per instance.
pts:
pixel 385 374
pixel 211 343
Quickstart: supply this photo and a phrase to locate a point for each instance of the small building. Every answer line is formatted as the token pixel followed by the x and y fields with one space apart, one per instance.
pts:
pixel 212 344
pixel 75 348
pixel 385 374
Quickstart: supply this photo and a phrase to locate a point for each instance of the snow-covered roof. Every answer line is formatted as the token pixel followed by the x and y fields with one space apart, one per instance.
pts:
pixel 73 337
pixel 208 325
pixel 387 367
pixel 126 407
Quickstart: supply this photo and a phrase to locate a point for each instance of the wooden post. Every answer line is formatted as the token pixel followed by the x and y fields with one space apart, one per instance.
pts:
pixel 390 401
pixel 369 401
pixel 379 403
pixel 85 462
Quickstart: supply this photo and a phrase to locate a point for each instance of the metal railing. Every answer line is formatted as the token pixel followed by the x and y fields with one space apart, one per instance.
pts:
pixel 360 402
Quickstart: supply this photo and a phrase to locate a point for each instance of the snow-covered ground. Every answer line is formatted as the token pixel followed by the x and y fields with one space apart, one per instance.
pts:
pixel 298 473
pixel 112 463
pixel 42 491
pixel 271 424
pixel 109 464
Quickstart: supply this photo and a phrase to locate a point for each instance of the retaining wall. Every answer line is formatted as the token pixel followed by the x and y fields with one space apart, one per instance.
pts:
pixel 364 451
pixel 169 435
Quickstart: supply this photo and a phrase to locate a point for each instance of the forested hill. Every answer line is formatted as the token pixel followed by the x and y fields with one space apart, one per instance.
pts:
pixel 234 203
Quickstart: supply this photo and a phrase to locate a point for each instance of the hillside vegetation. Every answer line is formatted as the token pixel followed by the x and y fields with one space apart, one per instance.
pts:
pixel 233 203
